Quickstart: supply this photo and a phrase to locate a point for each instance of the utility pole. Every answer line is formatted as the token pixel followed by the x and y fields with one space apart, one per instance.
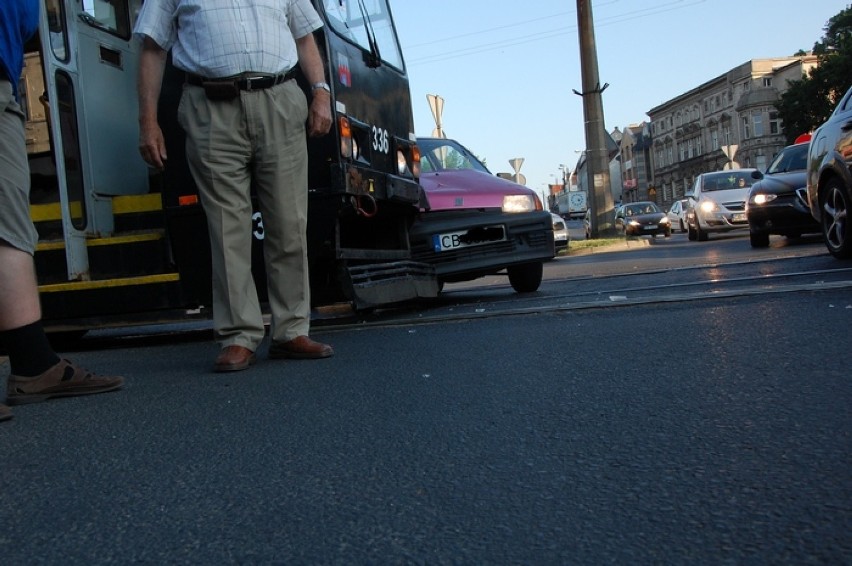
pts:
pixel 597 155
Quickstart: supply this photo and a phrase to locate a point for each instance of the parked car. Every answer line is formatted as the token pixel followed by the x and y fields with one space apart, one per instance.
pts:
pixel 778 203
pixel 717 202
pixel 476 223
pixel 829 178
pixel 560 233
pixel 642 218
pixel 677 214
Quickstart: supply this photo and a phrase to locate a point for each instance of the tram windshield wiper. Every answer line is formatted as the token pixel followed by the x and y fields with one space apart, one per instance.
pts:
pixel 374 59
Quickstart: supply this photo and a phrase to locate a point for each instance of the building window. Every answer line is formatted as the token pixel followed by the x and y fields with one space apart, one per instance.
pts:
pixel 746 128
pixel 773 123
pixel 714 139
pixel 767 81
pixel 757 119
pixel 698 149
pixel 760 162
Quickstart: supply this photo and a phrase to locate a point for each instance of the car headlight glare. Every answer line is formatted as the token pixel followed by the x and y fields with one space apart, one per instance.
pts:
pixel 518 203
pixel 634 223
pixel 763 198
pixel 708 206
pixel 665 220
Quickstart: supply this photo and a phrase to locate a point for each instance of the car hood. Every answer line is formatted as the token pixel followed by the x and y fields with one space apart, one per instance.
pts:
pixel 730 195
pixel 781 183
pixel 466 188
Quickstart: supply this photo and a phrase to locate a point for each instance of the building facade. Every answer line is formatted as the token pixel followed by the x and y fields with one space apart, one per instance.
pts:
pixel 727 122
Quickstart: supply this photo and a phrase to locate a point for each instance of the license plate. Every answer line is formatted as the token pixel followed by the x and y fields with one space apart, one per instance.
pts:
pixel 467 238
pixel 738 217
pixel 651 227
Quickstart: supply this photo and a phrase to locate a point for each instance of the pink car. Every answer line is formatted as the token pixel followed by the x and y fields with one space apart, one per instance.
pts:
pixel 477 223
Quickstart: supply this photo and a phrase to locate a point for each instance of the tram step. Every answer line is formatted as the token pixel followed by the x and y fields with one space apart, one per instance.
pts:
pixel 109 301
pixel 125 255
pixel 131 212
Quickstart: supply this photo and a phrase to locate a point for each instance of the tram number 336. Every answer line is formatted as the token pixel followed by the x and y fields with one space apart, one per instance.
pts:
pixel 380 140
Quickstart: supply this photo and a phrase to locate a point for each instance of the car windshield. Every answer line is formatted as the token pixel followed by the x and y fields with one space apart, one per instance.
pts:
pixel 791 158
pixel 640 208
pixel 444 154
pixel 727 181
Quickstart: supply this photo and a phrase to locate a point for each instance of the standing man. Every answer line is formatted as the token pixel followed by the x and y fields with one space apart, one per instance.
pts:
pixel 37 373
pixel 244 118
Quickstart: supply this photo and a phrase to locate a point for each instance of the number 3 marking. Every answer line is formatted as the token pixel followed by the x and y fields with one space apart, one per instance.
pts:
pixel 380 140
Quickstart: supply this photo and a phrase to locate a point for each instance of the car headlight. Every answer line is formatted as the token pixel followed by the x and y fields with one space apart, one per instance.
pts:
pixel 634 223
pixel 665 220
pixel 708 206
pixel 518 203
pixel 763 198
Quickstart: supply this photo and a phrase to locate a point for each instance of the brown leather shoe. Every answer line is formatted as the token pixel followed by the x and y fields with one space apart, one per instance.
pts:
pixel 5 412
pixel 233 358
pixel 300 348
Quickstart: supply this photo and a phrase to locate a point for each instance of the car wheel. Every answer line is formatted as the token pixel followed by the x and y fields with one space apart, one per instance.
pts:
pixel 682 227
pixel 526 278
pixel 759 239
pixel 690 232
pixel 668 233
pixel 835 227
pixel 700 234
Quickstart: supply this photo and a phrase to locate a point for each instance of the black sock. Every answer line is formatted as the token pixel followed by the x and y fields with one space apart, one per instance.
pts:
pixel 30 353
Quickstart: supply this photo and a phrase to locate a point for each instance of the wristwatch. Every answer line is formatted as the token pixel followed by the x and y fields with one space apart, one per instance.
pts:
pixel 323 86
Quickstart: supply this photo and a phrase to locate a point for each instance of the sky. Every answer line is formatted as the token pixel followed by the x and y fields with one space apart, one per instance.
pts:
pixel 506 70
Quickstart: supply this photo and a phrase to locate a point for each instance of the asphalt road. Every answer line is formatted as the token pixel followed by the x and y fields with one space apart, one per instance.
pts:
pixel 679 432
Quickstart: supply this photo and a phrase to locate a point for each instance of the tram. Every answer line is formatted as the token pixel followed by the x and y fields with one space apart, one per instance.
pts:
pixel 123 244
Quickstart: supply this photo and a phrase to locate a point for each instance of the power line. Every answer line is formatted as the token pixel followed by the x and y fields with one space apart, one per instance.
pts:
pixel 540 36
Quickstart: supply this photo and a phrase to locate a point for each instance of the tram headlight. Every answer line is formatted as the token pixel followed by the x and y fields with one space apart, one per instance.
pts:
pixel 401 162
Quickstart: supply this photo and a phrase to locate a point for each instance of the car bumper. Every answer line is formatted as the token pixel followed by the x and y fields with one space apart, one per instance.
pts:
pixel 526 237
pixel 723 221
pixel 646 230
pixel 782 216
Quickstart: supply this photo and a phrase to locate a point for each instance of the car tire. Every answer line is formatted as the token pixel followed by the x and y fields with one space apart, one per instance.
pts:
pixel 690 232
pixel 667 233
pixel 759 239
pixel 836 203
pixel 526 278
pixel 682 227
pixel 700 234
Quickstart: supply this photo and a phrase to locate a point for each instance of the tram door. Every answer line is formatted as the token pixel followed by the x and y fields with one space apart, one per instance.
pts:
pixel 90 67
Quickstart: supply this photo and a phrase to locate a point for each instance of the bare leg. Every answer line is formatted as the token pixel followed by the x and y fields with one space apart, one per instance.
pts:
pixel 19 302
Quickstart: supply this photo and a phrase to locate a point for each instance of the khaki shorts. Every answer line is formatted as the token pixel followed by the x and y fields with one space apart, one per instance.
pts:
pixel 16 225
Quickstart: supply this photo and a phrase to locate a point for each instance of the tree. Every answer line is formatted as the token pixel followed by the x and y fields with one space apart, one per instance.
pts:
pixel 808 102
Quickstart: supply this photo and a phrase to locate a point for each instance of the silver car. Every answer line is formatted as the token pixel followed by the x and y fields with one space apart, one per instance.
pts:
pixel 717 202
pixel 677 214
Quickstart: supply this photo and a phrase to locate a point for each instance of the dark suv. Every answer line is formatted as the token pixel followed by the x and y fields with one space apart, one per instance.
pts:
pixel 830 178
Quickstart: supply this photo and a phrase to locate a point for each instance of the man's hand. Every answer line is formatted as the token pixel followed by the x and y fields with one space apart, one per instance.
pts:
pixel 152 146
pixel 319 115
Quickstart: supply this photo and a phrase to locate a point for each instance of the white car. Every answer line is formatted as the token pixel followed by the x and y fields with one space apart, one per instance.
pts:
pixel 560 233
pixel 677 214
pixel 717 202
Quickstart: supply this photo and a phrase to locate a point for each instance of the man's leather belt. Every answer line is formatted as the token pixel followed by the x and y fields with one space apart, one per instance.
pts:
pixel 246 81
